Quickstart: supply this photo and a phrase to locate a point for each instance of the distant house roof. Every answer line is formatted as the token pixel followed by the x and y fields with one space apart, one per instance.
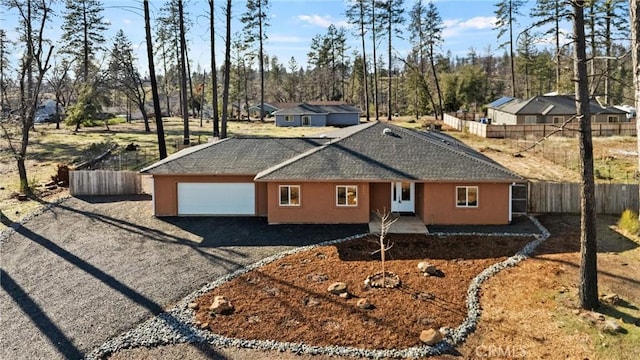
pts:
pixel 288 105
pixel 551 105
pixel 306 109
pixel 381 151
pixel 266 107
pixel 501 101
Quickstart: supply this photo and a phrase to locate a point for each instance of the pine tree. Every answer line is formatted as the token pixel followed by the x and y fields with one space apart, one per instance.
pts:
pixel 634 7
pixel 255 22
pixel 125 76
pixel 506 13
pixel 551 12
pixel 162 148
pixel 391 18
pixel 588 239
pixel 433 33
pixel 83 32
pixel 356 14
pixel 227 71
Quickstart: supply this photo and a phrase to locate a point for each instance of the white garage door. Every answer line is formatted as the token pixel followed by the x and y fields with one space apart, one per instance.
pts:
pixel 216 199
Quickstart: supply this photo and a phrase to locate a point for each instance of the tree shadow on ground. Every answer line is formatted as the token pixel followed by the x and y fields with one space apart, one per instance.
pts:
pixel 417 246
pixel 39 318
pixel 255 231
pixel 46 326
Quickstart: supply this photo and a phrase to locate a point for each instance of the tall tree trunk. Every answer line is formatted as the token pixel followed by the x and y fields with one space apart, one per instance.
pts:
pixel 166 79
pixel 261 60
pixel 227 72
pixel 588 247
pixel 375 60
pixel 389 67
pixel 186 56
pixel 162 147
pixel 557 35
pixel 214 72
pixel 183 77
pixel 634 7
pixel 435 78
pixel 511 57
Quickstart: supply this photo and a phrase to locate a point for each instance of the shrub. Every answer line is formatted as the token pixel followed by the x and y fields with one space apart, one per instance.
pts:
pixel 629 222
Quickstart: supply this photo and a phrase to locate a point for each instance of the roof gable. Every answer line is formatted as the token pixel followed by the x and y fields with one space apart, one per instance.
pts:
pixel 383 152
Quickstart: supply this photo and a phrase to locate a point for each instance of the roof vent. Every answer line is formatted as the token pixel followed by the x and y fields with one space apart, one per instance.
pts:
pixel 387 131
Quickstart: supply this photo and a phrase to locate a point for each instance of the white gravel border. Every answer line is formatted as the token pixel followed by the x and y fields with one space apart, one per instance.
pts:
pixel 176 325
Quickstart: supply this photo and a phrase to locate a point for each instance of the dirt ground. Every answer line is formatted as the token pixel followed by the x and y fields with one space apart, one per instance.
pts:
pixel 290 295
pixel 528 311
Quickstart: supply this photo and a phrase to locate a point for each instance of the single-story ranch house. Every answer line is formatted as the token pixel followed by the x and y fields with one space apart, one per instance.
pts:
pixel 305 114
pixel 543 109
pixel 339 177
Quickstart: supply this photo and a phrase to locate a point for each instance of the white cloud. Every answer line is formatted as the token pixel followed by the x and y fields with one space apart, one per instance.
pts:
pixel 322 21
pixel 457 27
pixel 127 21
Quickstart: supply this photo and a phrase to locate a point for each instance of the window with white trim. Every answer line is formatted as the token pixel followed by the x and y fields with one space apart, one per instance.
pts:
pixel 347 195
pixel 612 118
pixel 288 118
pixel 530 119
pixel 558 119
pixel 289 195
pixel 466 196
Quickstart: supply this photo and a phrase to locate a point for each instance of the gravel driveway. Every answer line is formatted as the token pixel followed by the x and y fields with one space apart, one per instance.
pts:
pixel 89 269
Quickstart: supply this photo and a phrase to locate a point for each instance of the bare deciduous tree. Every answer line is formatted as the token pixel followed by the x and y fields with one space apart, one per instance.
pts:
pixel 33 16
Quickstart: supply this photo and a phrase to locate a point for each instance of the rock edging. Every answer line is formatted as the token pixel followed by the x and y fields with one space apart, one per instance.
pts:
pixel 176 325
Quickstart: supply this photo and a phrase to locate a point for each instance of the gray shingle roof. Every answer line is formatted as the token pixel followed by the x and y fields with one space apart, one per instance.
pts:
pixel 377 154
pixel 550 105
pixel 306 109
pixel 234 156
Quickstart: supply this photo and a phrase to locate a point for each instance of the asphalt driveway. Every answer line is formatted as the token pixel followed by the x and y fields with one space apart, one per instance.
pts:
pixel 89 269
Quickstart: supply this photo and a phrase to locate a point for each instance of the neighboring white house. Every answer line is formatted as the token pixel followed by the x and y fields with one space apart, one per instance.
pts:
pixel 46 111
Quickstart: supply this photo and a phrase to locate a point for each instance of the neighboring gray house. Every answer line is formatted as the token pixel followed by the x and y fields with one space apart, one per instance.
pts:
pixel 268 110
pixel 541 109
pixel 305 114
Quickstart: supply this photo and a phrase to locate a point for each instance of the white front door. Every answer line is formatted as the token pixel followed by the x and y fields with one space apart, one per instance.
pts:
pixel 403 197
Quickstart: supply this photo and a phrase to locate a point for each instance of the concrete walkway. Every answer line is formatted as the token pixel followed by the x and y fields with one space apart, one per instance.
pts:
pixel 405 224
pixel 89 269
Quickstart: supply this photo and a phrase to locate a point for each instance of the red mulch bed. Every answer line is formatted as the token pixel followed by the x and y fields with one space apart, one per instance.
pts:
pixel 271 303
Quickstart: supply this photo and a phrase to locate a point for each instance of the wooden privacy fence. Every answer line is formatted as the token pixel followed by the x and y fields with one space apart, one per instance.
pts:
pixel 104 182
pixel 537 130
pixel 548 197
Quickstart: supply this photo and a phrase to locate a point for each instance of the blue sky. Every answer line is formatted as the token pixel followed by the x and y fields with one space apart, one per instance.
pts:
pixel 468 23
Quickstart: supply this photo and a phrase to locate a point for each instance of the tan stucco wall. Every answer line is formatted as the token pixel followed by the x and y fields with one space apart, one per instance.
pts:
pixel 380 196
pixel 439 205
pixel 165 191
pixel 318 205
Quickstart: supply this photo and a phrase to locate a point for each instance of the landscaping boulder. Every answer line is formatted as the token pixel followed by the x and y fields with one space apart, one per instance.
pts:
pixel 338 288
pixel 429 269
pixel 193 305
pixel 364 303
pixel 311 301
pixel 430 336
pixel 221 305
